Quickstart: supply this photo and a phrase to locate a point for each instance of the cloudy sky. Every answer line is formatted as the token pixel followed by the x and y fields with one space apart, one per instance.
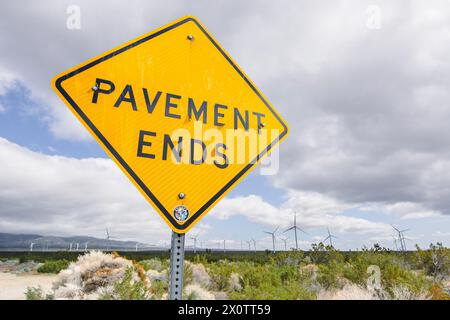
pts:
pixel 364 86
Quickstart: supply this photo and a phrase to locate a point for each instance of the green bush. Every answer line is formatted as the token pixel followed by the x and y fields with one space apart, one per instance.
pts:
pixel 435 261
pixel 36 293
pixel 128 289
pixel 53 266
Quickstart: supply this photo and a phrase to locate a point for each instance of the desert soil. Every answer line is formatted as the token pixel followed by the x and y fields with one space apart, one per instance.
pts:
pixel 13 286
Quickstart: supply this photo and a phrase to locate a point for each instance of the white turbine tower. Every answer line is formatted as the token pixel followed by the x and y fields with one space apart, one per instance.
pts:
pixel 295 228
pixel 273 237
pixel 70 246
pixel 249 245
pixel 285 239
pixel 108 238
pixel 31 246
pixel 195 242
pixel 78 246
pixel 85 246
pixel 330 237
pixel 254 244
pixel 224 249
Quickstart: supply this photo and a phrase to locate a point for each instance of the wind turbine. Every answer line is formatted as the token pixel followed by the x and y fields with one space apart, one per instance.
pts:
pixel 285 242
pixel 273 237
pixel 136 249
pixel 70 246
pixel 78 246
pixel 224 245
pixel 249 244
pixel 195 242
pixel 254 244
pixel 330 237
pixel 108 238
pixel 85 246
pixel 31 246
pixel 401 237
pixel 295 228
pixel 219 245
pixel 395 244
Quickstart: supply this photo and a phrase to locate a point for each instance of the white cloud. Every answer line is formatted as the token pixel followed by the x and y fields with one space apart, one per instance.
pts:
pixel 408 210
pixel 7 80
pixel 67 196
pixel 404 210
pixel 313 211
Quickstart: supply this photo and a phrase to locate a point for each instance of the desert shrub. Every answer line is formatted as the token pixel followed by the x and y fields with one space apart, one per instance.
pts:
pixel 271 281
pixel 200 259
pixel 36 293
pixel 196 292
pixel 330 275
pixel 95 275
pixel 435 261
pixel 437 293
pixel 187 276
pixel 393 275
pixel 220 274
pixel 153 264
pixel 322 254
pixel 53 266
pixel 159 288
pixel 200 275
pixel 290 258
pixel 128 288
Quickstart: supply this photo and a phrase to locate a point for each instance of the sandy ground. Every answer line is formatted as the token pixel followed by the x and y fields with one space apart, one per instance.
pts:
pixel 13 287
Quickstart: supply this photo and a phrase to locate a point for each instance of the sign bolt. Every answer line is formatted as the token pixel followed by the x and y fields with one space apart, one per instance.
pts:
pixel 181 195
pixel 95 88
pixel 262 125
pixel 190 37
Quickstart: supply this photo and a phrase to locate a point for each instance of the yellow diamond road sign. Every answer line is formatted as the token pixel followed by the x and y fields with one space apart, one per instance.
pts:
pixel 177 115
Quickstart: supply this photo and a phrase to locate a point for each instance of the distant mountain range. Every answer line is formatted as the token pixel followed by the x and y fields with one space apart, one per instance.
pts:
pixel 9 241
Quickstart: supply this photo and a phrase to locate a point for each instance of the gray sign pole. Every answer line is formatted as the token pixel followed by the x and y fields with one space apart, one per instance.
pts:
pixel 176 266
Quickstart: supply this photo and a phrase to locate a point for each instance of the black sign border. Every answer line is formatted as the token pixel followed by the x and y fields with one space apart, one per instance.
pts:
pixel 147 191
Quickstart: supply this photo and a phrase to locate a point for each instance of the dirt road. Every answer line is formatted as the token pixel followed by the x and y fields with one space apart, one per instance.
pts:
pixel 13 287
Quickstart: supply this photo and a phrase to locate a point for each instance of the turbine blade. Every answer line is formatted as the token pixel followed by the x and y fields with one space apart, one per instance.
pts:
pixel 301 230
pixel 289 229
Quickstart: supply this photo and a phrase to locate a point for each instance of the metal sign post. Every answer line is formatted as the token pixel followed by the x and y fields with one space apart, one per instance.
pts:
pixel 176 266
